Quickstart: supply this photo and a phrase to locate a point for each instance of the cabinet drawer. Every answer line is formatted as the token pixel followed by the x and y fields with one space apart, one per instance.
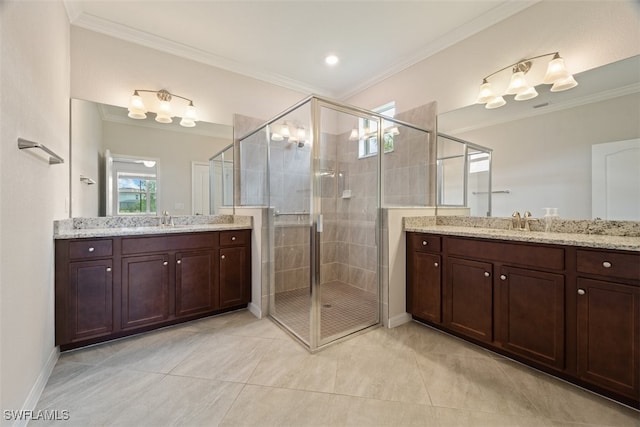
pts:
pixel 82 249
pixel 234 237
pixel 147 244
pixel 609 264
pixel 543 257
pixel 423 242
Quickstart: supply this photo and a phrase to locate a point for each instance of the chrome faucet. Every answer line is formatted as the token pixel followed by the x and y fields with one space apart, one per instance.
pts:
pixel 515 220
pixel 526 217
pixel 165 218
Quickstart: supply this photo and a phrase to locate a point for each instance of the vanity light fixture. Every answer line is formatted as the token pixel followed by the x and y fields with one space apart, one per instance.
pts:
pixel 556 75
pixel 137 109
pixel 290 132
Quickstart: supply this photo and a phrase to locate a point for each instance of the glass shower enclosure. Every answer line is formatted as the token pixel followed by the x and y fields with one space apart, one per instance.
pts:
pixel 317 166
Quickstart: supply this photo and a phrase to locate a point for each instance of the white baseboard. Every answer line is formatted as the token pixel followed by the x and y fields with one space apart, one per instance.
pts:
pixel 255 310
pixel 400 319
pixel 38 387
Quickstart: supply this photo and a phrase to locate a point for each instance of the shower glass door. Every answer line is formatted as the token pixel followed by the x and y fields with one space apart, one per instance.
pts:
pixel 346 200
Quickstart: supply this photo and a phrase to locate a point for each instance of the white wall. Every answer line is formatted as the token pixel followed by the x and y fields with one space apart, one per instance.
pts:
pixel 34 105
pixel 587 33
pixel 107 70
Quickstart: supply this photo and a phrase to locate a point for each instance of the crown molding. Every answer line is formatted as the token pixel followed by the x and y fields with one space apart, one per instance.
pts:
pixel 492 17
pixel 93 23
pixel 126 33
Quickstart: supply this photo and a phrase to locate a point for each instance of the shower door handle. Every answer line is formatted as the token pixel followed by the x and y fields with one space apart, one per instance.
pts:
pixel 319 224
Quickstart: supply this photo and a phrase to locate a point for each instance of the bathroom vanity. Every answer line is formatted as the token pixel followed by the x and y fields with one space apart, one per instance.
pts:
pixel 116 281
pixel 567 304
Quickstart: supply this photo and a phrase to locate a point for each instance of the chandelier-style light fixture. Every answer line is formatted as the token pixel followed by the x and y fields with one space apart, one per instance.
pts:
pixel 137 109
pixel 557 76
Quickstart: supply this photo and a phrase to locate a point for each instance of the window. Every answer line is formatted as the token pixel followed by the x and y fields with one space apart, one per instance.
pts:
pixel 368 145
pixel 478 162
pixel 136 194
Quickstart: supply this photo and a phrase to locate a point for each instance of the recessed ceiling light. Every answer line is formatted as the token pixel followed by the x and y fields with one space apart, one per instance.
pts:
pixel 331 59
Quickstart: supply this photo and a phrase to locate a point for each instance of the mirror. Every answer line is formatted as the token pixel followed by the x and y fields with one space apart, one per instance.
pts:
pixel 165 164
pixel 576 150
pixel 221 179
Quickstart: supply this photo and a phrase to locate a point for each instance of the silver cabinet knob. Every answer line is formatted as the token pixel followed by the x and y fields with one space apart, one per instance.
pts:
pixel 487 274
pixel 165 263
pixel 581 292
pixel 179 261
pixel 222 257
pixel 435 264
pixel 233 238
pixel 108 269
pixel 92 249
pixel 425 243
pixel 503 277
pixel 606 264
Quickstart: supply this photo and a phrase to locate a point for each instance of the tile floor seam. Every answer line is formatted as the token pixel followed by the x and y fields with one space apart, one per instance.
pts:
pixel 424 382
pixel 235 399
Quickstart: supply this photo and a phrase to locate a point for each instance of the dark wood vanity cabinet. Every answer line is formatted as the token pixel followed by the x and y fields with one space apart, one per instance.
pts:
pixel 235 286
pixel 145 290
pixel 468 298
pixel 84 305
pixel 195 282
pixel 531 315
pixel 608 320
pixel 424 288
pixel 108 288
pixel 571 312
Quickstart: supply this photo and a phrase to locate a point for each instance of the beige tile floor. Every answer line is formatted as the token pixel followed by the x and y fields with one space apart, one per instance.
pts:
pixel 234 370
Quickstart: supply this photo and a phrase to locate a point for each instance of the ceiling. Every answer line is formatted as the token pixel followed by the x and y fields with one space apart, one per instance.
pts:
pixel 285 42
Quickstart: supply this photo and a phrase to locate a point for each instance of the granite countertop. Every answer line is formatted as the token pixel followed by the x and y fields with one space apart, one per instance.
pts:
pixel 629 242
pixel 79 228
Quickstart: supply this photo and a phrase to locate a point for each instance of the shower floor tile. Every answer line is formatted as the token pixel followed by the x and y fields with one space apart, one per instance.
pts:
pixel 343 308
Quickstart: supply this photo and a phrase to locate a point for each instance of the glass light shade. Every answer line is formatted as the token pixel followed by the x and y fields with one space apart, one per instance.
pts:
pixel 136 107
pixel 496 102
pixel 149 163
pixel 517 83
pixel 486 93
pixel 284 131
pixel 394 131
pixel 135 103
pixel 555 71
pixel 188 123
pixel 276 137
pixel 137 114
pixel 564 84
pixel 302 134
pixel 190 117
pixel 164 115
pixel 526 94
pixel 190 113
pixel 353 136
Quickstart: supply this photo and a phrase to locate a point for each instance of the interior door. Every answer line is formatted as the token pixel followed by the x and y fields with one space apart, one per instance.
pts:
pixel 615 178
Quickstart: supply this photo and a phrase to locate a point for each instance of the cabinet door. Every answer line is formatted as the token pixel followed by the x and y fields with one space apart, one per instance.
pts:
pixel 145 290
pixel 90 299
pixel 532 315
pixel 609 335
pixel 424 286
pixel 233 276
pixel 195 282
pixel 468 307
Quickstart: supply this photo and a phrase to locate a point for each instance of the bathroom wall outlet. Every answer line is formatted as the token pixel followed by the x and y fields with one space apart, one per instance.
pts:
pixel 178 206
